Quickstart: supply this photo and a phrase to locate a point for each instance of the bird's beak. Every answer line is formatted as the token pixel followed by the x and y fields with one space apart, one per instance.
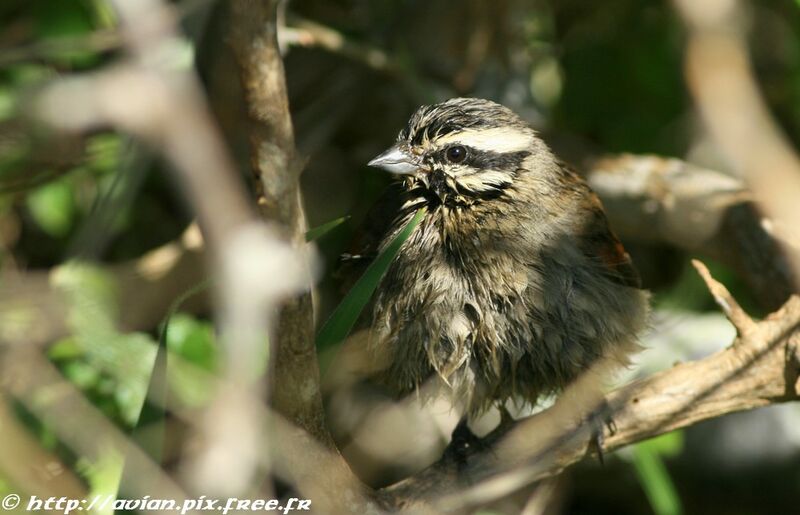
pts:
pixel 397 160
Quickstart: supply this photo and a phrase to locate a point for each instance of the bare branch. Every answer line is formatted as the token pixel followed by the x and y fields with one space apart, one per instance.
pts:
pixel 661 200
pixel 166 108
pixel 27 375
pixel 760 369
pixel 252 37
pixel 741 321
pixel 308 33
pixel 720 78
pixel 28 465
pixel 33 309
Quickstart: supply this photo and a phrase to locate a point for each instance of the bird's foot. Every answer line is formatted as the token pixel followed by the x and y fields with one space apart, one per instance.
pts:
pixel 463 443
pixel 506 420
pixel 600 420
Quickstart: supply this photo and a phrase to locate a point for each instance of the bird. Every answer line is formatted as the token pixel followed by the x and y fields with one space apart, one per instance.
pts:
pixel 512 284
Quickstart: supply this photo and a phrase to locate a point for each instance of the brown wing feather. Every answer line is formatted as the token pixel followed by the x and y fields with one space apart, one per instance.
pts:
pixel 602 246
pixel 364 247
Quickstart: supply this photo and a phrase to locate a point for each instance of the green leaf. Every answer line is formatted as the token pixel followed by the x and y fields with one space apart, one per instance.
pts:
pixel 103 473
pixel 125 359
pixel 81 374
pixel 320 231
pixel 65 349
pixel 8 102
pixel 52 206
pixel 103 13
pixel 346 313
pixel 192 352
pixel 57 19
pixel 163 336
pixel 104 153
pixel 669 444
pixel 192 340
pixel 655 481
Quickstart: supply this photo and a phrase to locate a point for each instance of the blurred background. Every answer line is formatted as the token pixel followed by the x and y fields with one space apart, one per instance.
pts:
pixel 77 213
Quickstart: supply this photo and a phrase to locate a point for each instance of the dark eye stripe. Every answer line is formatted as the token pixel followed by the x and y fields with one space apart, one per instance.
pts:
pixel 486 159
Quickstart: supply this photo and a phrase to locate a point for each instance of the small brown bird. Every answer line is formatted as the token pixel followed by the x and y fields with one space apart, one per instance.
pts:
pixel 513 283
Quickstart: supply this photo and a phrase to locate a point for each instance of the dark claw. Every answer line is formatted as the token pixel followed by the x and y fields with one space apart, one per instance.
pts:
pixel 463 443
pixel 611 425
pixel 506 420
pixel 600 419
pixel 597 439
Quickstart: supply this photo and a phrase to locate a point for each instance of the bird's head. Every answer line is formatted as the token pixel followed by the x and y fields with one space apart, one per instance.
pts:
pixel 464 148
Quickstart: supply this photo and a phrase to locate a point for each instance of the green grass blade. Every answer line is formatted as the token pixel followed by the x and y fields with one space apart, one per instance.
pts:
pixel 176 305
pixel 151 440
pixel 656 482
pixel 346 313
pixel 320 231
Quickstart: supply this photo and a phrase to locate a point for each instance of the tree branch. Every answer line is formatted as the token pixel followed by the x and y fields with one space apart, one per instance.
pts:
pixel 167 109
pixel 252 36
pixel 663 200
pixel 720 78
pixel 760 368
pixel 33 310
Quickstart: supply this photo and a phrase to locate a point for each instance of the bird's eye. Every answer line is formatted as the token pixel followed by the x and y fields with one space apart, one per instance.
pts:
pixel 456 154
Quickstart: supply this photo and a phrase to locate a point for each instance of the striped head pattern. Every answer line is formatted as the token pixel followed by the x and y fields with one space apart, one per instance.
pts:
pixel 461 150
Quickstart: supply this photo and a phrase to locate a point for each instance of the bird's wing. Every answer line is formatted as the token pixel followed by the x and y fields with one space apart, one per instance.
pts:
pixel 364 247
pixel 599 243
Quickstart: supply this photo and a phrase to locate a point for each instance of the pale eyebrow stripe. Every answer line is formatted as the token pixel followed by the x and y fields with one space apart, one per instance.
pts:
pixel 498 139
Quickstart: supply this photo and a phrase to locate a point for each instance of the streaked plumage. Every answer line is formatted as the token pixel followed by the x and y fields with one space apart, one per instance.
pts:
pixel 513 282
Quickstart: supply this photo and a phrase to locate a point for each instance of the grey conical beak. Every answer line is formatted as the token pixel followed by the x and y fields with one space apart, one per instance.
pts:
pixel 396 160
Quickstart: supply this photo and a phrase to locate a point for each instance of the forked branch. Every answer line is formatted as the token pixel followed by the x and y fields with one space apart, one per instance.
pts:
pixel 760 368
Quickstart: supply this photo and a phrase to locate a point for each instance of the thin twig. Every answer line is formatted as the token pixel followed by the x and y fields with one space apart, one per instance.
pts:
pixel 741 321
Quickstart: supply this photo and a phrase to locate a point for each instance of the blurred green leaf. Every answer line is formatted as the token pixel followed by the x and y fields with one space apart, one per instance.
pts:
pixel 669 444
pixel 103 475
pixel 12 158
pixel 104 151
pixel 191 349
pixel 653 474
pixel 52 206
pixel 193 340
pixel 8 102
pixel 346 313
pixel 81 374
pixel 27 74
pixel 125 359
pixel 320 231
pixel 192 352
pixel 57 19
pixel 65 349
pixel 189 384
pixel 103 13
pixel 163 336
